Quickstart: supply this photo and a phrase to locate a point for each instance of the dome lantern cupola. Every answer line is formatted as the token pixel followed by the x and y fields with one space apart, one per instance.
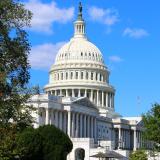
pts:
pixel 79 24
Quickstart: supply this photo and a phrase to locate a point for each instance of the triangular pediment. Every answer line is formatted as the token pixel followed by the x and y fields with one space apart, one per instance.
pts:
pixel 84 101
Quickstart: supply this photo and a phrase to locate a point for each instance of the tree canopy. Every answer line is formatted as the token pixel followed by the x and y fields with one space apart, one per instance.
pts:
pixel 45 143
pixel 14 66
pixel 151 122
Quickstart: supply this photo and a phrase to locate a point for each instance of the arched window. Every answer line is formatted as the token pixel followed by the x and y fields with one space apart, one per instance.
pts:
pixel 79 154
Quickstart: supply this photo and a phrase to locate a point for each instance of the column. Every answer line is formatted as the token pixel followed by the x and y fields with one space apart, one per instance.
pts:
pixel 85 93
pixel 84 126
pixel 51 118
pixel 91 95
pixel 47 116
pixel 69 124
pixel 102 98
pixel 84 75
pixel 81 126
pixel 79 75
pixel 73 124
pixel 66 92
pixel 55 92
pixel 129 139
pixel 73 94
pixel 95 129
pixel 88 126
pixel 77 126
pixel 56 118
pixel 65 122
pixel 98 76
pixel 91 127
pixel 97 97
pixel 60 120
pixel 60 92
pixel 119 139
pixel 79 93
pixel 106 99
pixel 135 140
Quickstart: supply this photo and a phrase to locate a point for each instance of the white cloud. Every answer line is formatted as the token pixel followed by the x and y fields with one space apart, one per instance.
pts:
pixel 106 16
pixel 115 59
pixel 45 14
pixel 43 56
pixel 135 32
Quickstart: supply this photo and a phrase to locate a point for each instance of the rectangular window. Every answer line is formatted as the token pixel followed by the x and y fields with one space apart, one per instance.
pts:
pixel 76 75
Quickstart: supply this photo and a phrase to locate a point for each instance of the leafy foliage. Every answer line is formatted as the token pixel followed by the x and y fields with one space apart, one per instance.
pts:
pixel 44 143
pixel 138 155
pixel 15 115
pixel 14 66
pixel 151 122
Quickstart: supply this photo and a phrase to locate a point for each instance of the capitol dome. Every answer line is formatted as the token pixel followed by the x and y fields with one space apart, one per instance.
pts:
pixel 79 49
pixel 79 71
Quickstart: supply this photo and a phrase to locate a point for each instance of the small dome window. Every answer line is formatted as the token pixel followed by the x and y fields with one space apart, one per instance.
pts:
pixel 81 53
pixel 89 54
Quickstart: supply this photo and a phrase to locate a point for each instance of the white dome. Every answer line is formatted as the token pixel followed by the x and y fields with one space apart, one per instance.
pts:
pixel 79 49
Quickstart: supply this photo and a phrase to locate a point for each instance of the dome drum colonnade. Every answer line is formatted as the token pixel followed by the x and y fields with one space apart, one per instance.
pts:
pixel 79 71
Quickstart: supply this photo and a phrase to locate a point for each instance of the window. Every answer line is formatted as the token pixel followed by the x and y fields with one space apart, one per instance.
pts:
pixel 76 75
pixel 86 75
pixel 81 53
pixel 91 75
pixel 61 76
pixel 66 75
pixel 57 76
pixel 71 75
pixel 100 78
pixel 81 75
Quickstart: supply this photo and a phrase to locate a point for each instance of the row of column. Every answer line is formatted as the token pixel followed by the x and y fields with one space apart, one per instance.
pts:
pixel 100 98
pixel 128 139
pixel 83 125
pixel 124 139
pixel 76 125
pixel 80 75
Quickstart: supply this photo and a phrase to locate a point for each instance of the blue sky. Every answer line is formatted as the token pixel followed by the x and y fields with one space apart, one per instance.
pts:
pixel 127 32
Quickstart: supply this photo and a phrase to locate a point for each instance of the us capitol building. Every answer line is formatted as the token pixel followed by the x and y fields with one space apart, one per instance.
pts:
pixel 80 101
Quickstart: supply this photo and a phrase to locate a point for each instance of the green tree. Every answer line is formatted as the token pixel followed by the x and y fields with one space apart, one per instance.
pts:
pixel 14 66
pixel 15 115
pixel 151 122
pixel 138 155
pixel 44 143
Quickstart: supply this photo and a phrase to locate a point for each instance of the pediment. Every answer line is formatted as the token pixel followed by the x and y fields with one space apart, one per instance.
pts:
pixel 84 101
